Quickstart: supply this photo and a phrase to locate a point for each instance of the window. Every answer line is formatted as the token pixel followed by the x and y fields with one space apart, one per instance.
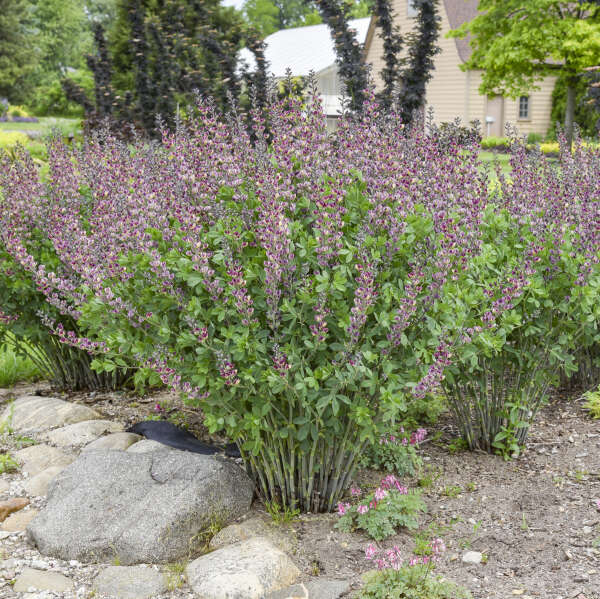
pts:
pixel 524 107
pixel 411 8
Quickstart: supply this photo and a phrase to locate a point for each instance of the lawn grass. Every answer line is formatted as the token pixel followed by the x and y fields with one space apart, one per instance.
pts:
pixel 15 369
pixel 45 125
pixel 493 157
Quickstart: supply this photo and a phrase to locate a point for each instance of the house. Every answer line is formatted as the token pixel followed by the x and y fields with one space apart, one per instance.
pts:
pixel 455 93
pixel 309 49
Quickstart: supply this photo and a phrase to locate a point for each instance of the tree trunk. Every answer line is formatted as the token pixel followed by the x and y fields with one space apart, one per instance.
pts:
pixel 570 113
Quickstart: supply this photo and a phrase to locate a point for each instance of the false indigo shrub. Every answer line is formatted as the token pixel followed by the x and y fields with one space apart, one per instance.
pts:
pixel 538 233
pixel 302 289
pixel 284 287
pixel 34 321
pixel 382 512
pixel 395 453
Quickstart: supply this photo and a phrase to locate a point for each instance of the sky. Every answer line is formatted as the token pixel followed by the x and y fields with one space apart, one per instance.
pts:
pixel 236 3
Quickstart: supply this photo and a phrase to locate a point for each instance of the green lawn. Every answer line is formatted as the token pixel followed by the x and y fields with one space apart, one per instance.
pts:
pixel 45 125
pixel 493 157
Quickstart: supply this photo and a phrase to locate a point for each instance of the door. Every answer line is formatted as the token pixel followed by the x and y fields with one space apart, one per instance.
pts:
pixel 494 116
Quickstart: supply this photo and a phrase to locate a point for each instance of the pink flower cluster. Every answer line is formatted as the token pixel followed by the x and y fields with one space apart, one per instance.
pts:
pixel 415 438
pixel 392 558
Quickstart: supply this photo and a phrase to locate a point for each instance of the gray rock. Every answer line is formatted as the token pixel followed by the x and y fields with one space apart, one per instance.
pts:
pixel 37 458
pixel 81 433
pixel 254 527
pixel 130 582
pixel 247 570
pixel 119 441
pixel 139 508
pixel 148 445
pixel 38 485
pixel 472 557
pixel 42 581
pixel 4 486
pixel 320 588
pixel 32 413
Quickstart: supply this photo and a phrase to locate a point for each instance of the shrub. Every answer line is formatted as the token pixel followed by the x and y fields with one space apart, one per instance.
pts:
pixel 382 512
pixel 303 290
pixel 34 323
pixel 543 305
pixel 17 111
pixel 10 139
pixel 492 142
pixel 276 286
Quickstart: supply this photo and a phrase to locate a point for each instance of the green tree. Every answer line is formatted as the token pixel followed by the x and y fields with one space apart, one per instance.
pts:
pixel 519 42
pixel 268 16
pixel 17 59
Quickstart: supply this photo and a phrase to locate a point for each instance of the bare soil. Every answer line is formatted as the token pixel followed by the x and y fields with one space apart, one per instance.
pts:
pixel 534 518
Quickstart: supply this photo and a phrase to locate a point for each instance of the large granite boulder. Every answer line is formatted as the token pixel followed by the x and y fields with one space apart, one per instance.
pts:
pixel 137 508
pixel 33 413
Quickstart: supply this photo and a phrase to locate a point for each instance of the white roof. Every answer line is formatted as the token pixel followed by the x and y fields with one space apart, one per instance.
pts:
pixel 302 49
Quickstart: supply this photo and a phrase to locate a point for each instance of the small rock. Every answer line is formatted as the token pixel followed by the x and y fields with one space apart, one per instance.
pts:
pixel 37 458
pixel 581 578
pixel 38 485
pixel 4 486
pixel 42 581
pixel 42 413
pixel 587 530
pixel 247 570
pixel 253 527
pixel 119 441
pixel 81 433
pixel 19 521
pixel 296 591
pixel 319 588
pixel 132 582
pixel 12 505
pixel 472 557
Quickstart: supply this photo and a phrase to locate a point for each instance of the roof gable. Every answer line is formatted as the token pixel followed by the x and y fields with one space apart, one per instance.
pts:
pixel 302 49
pixel 459 12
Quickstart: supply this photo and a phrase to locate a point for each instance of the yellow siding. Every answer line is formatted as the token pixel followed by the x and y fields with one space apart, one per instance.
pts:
pixel 454 93
pixel 540 108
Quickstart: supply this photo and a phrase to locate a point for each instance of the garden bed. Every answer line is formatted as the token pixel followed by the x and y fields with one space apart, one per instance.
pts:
pixel 534 519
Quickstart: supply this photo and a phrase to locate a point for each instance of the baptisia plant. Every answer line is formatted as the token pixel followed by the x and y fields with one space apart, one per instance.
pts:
pixel 282 281
pixel 529 301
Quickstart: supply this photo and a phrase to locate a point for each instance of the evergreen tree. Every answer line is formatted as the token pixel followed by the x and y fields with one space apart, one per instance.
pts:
pixel 17 57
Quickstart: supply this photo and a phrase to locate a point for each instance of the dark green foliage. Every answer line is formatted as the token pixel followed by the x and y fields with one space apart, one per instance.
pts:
pixel 586 112
pixel 392 46
pixel 16 52
pixel 421 50
pixel 158 54
pixel 352 69
pixel 406 85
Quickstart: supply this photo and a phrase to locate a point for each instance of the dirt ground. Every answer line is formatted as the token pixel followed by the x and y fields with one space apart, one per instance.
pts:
pixel 534 519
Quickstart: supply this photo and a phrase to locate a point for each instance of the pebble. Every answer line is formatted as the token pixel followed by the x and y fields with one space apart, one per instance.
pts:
pixel 472 557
